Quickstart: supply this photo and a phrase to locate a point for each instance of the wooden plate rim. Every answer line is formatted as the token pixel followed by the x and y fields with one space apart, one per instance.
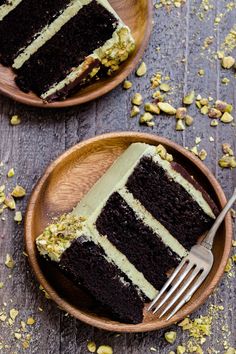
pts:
pixel 94 320
pixel 102 90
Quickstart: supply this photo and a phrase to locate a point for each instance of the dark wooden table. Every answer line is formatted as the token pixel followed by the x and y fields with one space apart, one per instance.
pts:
pixel 176 50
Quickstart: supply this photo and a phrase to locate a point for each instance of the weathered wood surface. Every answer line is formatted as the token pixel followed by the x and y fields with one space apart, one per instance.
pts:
pixel 44 134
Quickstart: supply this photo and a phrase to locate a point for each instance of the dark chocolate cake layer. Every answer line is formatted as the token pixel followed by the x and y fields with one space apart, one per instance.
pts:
pixel 84 263
pixel 56 58
pixel 168 202
pixel 137 241
pixel 23 23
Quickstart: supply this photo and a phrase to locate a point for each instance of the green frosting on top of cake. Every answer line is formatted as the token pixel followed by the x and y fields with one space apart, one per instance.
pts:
pixel 58 236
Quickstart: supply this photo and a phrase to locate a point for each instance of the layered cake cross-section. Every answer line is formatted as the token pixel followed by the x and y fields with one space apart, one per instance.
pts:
pixel 131 229
pixel 54 47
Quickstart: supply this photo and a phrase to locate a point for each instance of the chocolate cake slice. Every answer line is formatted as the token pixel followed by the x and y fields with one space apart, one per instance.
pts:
pixel 56 46
pixel 142 217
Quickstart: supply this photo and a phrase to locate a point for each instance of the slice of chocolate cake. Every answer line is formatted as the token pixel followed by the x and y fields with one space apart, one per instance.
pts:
pixel 140 218
pixel 57 46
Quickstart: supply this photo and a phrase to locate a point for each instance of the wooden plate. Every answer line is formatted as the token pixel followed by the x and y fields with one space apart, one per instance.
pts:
pixel 62 186
pixel 138 16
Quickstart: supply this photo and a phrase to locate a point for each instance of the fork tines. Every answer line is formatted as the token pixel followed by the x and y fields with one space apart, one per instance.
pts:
pixel 184 281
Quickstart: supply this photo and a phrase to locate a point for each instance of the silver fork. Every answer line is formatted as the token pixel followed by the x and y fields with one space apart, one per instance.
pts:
pixel 191 272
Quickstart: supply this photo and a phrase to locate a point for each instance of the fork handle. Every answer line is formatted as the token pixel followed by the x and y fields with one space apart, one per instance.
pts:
pixel 209 239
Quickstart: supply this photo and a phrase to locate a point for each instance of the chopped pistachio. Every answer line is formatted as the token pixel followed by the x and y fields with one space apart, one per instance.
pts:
pixel 198 104
pixel 220 54
pixel 146 117
pixel 142 69
pixel 169 157
pixel 25 344
pixel 18 216
pixel 227 149
pixel 158 96
pixel 13 314
pixel 181 349
pixel 201 72
pixel 91 346
pixel 179 125
pixel 156 80
pixel 105 349
pixel 181 113
pixel 199 97
pixel 30 321
pixel 214 113
pixel 152 108
pixel 194 150
pixel 18 192
pixel 204 110
pixel 188 120
pixel 9 262
pixel 11 173
pixel 134 112
pixel 2 198
pixel 227 162
pixel 204 101
pixel 225 80
pixel 1 285
pixel 17 335
pixel 228 62
pixel 127 85
pixel 2 188
pixel 150 124
pixel 214 122
pixel 227 118
pixel 189 98
pixel 170 337
pixel 223 106
pixel 15 120
pixel 10 202
pixel 198 140
pixel 3 317
pixel 165 87
pixel 137 99
pixel 230 350
pixel 166 108
pixel 228 266
pixel 202 154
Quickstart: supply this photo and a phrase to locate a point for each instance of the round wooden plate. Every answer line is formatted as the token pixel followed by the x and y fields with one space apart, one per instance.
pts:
pixel 62 186
pixel 138 16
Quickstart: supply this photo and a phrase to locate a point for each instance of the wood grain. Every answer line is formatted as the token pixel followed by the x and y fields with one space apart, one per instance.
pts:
pixel 45 134
pixel 138 16
pixel 63 185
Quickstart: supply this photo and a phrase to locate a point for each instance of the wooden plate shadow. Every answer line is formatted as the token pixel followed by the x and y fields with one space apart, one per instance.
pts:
pixel 138 16
pixel 62 186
